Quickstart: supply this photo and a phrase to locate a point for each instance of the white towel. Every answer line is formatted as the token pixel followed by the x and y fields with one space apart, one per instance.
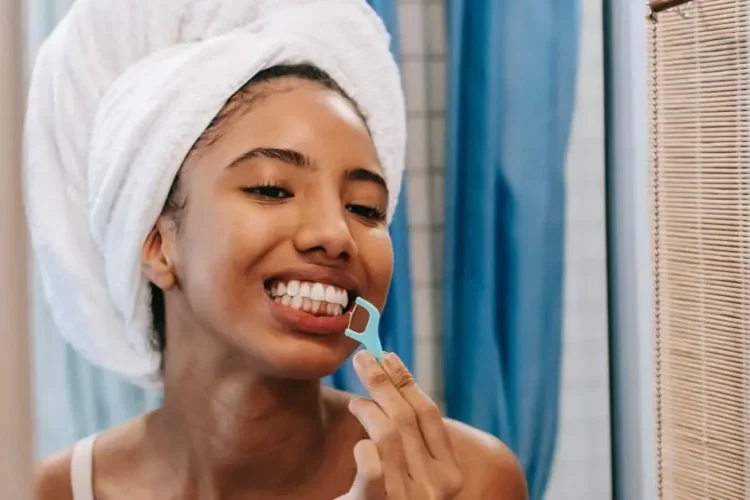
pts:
pixel 120 92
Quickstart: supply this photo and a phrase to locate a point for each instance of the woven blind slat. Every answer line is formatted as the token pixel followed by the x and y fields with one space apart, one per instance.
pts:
pixel 699 132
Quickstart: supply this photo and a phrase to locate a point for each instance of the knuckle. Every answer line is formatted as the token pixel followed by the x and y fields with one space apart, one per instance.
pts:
pixel 402 379
pixel 453 481
pixel 405 418
pixel 428 409
pixel 434 492
pixel 444 483
pixel 378 379
pixel 360 405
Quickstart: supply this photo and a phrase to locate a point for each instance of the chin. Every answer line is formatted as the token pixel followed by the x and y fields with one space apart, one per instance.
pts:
pixel 301 356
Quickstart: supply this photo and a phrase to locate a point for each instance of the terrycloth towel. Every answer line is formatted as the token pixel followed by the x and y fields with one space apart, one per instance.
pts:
pixel 120 92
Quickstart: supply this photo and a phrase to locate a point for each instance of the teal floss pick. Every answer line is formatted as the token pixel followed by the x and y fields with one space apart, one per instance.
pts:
pixel 370 337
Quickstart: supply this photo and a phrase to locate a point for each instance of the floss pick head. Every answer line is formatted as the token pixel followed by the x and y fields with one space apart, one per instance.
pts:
pixel 370 337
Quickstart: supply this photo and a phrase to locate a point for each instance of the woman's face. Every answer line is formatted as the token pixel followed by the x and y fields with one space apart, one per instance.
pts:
pixel 284 224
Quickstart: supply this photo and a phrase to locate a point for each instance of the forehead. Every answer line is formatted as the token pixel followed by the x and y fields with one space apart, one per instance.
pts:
pixel 295 114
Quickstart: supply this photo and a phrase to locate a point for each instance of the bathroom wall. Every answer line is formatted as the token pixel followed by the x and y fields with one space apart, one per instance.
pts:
pixel 582 464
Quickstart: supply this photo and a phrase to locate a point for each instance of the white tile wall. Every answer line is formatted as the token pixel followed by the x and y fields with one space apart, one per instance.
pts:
pixel 423 52
pixel 582 467
pixel 582 464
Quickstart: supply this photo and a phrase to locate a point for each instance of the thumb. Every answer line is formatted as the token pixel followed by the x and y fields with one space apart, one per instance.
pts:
pixel 368 483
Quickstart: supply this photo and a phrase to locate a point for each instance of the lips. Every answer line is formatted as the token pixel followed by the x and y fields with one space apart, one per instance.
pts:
pixel 305 322
pixel 310 305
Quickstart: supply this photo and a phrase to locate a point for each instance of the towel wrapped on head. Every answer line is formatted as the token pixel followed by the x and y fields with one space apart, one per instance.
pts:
pixel 120 92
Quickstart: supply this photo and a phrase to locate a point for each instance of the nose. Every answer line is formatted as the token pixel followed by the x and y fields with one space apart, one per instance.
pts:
pixel 323 231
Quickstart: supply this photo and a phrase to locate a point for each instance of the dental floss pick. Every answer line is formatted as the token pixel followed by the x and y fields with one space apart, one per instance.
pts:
pixel 370 337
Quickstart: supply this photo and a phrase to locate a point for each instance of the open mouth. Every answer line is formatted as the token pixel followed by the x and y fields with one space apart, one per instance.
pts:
pixel 318 299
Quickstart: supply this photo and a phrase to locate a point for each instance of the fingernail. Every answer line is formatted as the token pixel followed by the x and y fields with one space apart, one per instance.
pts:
pixel 352 405
pixel 388 359
pixel 361 358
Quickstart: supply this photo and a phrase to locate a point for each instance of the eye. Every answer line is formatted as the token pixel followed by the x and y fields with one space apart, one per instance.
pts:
pixel 370 213
pixel 269 191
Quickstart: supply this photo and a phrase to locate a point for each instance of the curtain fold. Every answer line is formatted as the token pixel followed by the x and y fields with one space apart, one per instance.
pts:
pixel 396 326
pixel 512 68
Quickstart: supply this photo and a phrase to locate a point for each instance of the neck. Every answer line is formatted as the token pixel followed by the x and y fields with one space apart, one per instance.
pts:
pixel 227 431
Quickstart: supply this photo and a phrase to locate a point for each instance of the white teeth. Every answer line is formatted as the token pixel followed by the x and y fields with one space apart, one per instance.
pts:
pixel 332 295
pixel 296 302
pixel 318 292
pixel 293 288
pixel 316 298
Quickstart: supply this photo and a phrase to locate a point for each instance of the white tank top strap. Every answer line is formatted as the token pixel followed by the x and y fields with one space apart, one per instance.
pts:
pixel 82 469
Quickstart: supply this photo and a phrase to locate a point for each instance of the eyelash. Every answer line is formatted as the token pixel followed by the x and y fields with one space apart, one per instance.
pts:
pixel 274 191
pixel 370 213
pixel 262 190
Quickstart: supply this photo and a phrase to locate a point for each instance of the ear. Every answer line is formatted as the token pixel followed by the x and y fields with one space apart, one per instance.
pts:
pixel 158 254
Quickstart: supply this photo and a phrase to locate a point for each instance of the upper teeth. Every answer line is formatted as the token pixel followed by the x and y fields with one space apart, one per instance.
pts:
pixel 294 293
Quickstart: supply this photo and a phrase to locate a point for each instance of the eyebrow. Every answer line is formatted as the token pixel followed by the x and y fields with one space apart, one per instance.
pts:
pixel 297 159
pixel 363 174
pixel 289 156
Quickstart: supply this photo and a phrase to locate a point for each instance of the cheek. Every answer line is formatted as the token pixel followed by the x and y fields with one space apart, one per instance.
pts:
pixel 376 252
pixel 220 248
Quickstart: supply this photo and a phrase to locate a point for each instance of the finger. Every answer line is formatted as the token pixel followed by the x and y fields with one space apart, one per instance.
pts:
pixel 388 441
pixel 393 404
pixel 369 483
pixel 426 411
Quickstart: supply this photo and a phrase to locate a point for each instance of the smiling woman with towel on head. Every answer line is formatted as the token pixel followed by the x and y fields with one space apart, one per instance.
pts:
pixel 208 186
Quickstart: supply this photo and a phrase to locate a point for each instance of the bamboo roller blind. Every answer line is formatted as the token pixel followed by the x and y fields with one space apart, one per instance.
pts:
pixel 699 93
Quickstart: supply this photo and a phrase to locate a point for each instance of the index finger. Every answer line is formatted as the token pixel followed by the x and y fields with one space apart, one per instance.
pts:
pixel 386 395
pixel 427 412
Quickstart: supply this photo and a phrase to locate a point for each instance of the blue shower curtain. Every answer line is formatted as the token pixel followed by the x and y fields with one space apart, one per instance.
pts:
pixel 396 327
pixel 511 84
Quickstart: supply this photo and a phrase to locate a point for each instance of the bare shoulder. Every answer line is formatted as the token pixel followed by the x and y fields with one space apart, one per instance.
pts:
pixel 115 453
pixel 52 478
pixel 489 468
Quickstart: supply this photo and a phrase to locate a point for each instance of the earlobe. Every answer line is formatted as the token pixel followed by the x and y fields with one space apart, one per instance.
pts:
pixel 157 261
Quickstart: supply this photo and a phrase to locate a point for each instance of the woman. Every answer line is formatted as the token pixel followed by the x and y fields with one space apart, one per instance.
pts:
pixel 275 223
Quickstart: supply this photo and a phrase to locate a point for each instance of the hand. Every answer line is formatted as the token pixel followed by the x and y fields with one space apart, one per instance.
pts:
pixel 409 455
